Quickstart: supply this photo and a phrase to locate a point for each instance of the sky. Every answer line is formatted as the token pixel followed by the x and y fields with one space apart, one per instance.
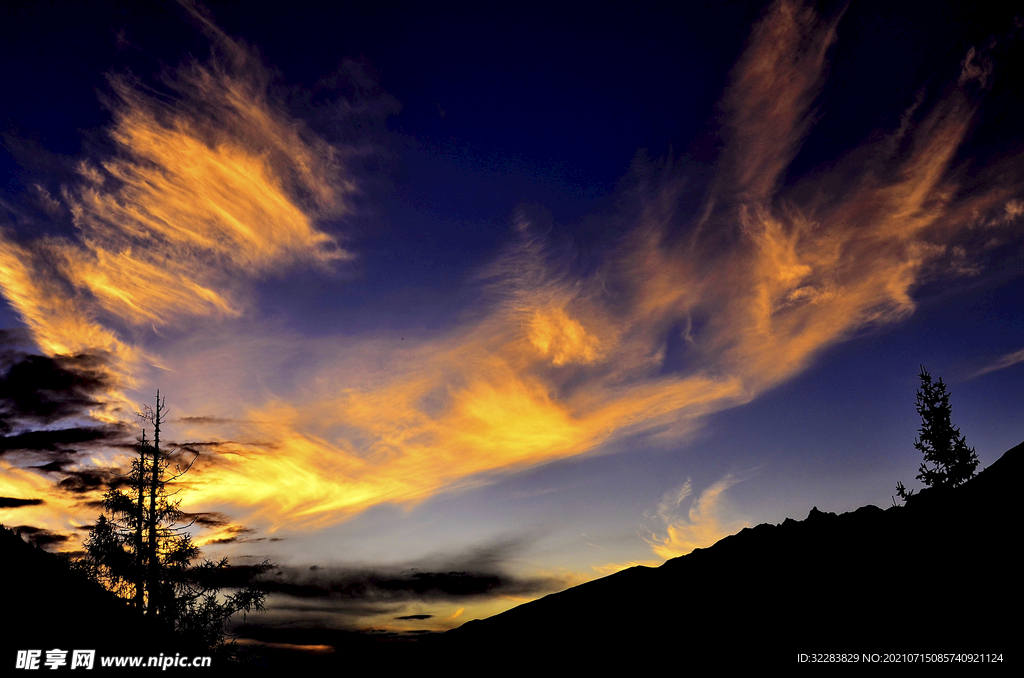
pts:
pixel 457 308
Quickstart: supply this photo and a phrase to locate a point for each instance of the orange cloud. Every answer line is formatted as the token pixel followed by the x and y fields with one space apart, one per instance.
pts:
pixel 59 513
pixel 195 205
pixel 703 524
pixel 554 333
pixel 769 98
pixel 57 325
pixel 565 366
pixel 1001 363
pixel 205 191
pixel 431 418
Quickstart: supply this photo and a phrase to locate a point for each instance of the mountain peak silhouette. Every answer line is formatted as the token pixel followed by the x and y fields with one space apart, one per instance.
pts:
pixel 935 576
pixel 938 575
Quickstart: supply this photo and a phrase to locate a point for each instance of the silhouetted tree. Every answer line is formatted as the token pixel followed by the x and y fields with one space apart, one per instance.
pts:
pixel 901 492
pixel 144 551
pixel 108 561
pixel 948 461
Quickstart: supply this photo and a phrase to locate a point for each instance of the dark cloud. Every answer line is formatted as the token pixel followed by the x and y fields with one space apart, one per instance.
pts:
pixel 395 586
pixel 333 613
pixel 39 536
pixel 235 535
pixel 56 465
pixel 236 446
pixel 309 636
pixel 92 479
pixel 45 401
pixel 46 422
pixel 214 520
pixel 477 572
pixel 43 390
pixel 207 519
pixel 12 502
pixel 339 597
pixel 57 440
pixel 230 576
pixel 203 420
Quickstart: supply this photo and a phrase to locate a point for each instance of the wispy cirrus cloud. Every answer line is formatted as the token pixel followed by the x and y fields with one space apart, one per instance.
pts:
pixel 766 279
pixel 691 313
pixel 209 186
pixel 769 102
pixel 699 526
pixel 1001 363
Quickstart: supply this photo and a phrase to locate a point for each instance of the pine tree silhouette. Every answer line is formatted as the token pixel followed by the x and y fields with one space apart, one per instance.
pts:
pixel 948 461
pixel 144 552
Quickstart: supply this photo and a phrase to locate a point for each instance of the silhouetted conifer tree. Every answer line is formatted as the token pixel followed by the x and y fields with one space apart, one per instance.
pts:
pixel 948 461
pixel 144 552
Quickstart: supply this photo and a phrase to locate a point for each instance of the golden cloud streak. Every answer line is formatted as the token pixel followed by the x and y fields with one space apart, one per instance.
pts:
pixel 565 366
pixel 59 513
pixel 701 527
pixel 772 89
pixel 470 412
pixel 766 281
pixel 44 305
pixel 203 193
pixel 209 186
pixel 192 202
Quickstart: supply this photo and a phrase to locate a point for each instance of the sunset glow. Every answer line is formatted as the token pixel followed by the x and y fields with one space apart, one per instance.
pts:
pixel 375 385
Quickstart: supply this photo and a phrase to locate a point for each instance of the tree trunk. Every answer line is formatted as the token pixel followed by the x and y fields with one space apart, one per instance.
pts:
pixel 153 585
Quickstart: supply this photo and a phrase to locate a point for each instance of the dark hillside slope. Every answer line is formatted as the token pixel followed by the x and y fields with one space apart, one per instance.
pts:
pixel 938 575
pixel 47 605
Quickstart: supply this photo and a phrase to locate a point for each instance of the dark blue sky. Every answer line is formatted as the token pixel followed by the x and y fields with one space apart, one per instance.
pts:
pixel 596 282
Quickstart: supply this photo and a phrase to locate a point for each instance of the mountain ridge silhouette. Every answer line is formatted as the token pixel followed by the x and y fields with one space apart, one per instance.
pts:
pixel 937 575
pixel 933 576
